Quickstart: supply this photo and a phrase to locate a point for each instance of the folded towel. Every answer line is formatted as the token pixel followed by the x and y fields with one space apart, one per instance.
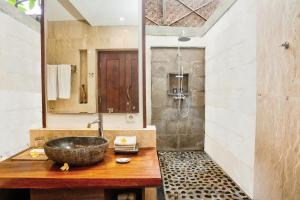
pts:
pixel 52 82
pixel 126 196
pixel 38 151
pixel 124 146
pixel 125 140
pixel 64 81
pixel 125 149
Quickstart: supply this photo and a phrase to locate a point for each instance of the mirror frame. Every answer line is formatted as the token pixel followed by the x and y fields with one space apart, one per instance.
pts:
pixel 43 66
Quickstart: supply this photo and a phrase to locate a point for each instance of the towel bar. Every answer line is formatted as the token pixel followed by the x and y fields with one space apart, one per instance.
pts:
pixel 73 68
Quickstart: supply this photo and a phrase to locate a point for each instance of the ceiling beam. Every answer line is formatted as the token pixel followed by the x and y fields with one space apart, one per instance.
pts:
pixel 71 9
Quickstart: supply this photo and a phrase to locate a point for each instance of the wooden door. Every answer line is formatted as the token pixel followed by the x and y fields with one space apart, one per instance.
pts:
pixel 118 82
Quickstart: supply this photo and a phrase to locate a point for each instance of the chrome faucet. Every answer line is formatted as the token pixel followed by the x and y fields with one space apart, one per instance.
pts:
pixel 98 121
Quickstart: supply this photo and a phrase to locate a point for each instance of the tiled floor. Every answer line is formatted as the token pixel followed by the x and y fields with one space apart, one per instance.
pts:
pixel 193 175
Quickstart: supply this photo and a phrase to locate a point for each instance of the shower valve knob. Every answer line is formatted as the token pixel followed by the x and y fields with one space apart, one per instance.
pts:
pixel 286 45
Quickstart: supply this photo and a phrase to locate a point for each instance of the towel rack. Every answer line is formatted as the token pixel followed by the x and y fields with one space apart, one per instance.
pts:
pixel 73 68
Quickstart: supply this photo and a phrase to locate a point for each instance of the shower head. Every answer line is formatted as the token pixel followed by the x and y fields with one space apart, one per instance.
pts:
pixel 183 39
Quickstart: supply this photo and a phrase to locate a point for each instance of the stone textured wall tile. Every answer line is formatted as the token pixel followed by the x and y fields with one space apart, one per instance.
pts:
pixel 167 142
pixel 159 99
pixel 178 126
pixel 197 83
pixel 197 70
pixel 197 113
pixel 197 98
pixel 159 69
pixel 160 126
pixel 191 142
pixel 174 124
pixel 197 126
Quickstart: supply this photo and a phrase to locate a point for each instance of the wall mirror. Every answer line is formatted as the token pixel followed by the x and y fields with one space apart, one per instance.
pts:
pixel 92 56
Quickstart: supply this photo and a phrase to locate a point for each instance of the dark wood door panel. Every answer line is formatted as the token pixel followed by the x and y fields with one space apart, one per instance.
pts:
pixel 134 79
pixel 102 82
pixel 113 84
pixel 118 82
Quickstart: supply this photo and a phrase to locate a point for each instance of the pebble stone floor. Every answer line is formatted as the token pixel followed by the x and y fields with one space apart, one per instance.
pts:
pixel 193 175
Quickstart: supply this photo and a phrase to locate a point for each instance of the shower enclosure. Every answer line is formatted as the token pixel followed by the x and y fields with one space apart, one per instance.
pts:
pixel 178 96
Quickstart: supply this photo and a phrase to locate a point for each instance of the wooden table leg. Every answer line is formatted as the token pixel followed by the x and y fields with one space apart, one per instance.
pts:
pixel 149 193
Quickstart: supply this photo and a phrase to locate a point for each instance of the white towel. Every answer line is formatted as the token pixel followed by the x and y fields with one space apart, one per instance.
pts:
pixel 126 196
pixel 52 82
pixel 64 81
pixel 125 140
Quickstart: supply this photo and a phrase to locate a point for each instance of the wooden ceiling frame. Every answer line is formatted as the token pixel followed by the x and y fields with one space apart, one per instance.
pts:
pixel 192 10
pixel 151 20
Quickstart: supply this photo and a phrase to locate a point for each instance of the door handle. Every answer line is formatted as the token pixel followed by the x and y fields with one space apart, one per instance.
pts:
pixel 128 93
pixel 129 103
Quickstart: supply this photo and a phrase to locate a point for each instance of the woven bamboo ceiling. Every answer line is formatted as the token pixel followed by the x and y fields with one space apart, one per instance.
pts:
pixel 187 13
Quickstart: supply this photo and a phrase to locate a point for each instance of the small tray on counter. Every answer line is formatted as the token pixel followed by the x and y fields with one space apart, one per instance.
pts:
pixel 25 155
pixel 136 150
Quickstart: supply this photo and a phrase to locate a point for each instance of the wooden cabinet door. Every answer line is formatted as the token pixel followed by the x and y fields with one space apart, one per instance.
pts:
pixel 118 82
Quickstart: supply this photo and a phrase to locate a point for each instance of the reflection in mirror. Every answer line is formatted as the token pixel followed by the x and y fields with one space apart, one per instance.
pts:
pixel 92 45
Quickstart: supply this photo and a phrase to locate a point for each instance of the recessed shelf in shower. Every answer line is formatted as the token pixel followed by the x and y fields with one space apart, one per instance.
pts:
pixel 174 88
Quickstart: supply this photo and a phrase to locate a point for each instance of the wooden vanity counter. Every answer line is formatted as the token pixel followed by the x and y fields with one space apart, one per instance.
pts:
pixel 142 171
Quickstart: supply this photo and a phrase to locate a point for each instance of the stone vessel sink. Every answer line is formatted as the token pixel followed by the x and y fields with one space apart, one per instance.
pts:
pixel 76 151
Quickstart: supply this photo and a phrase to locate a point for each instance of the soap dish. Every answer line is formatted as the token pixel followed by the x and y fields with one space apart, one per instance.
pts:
pixel 123 160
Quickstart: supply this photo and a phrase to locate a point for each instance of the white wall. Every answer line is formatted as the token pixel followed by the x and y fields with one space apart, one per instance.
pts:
pixel 231 92
pixel 20 84
pixel 111 121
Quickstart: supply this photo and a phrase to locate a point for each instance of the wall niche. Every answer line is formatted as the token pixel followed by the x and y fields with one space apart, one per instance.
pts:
pixel 83 92
pixel 174 88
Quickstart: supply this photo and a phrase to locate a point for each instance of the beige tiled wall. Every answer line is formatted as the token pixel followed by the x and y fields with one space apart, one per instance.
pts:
pixel 145 137
pixel 277 155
